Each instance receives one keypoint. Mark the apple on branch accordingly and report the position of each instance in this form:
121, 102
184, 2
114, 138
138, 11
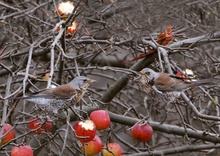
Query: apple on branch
93, 147
85, 130
9, 134
101, 119
112, 149
22, 151
40, 125
142, 132
64, 9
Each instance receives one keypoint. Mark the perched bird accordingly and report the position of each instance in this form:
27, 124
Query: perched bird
165, 87
62, 96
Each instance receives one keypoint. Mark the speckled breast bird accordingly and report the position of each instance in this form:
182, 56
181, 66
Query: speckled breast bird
165, 87
62, 96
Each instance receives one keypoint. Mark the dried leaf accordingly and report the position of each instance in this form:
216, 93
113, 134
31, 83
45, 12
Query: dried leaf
165, 37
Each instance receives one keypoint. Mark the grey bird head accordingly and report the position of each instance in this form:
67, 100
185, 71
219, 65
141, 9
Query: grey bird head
80, 82
150, 73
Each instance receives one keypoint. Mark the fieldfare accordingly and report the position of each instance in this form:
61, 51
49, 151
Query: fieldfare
62, 96
163, 87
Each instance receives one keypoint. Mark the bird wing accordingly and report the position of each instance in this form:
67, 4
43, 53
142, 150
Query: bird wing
60, 92
167, 83
63, 91
186, 85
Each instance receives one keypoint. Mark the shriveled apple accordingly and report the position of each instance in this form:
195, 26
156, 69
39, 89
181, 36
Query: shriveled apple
65, 8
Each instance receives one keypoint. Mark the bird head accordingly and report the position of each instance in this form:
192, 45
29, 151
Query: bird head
152, 75
81, 82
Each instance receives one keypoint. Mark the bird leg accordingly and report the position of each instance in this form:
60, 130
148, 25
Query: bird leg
157, 90
145, 101
61, 116
151, 82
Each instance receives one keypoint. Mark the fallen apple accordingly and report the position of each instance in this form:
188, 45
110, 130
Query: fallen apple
101, 119
85, 130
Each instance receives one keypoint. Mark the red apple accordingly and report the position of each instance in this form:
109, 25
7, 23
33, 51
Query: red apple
112, 148
22, 151
101, 119
40, 125
190, 75
85, 130
9, 134
93, 147
142, 132
179, 74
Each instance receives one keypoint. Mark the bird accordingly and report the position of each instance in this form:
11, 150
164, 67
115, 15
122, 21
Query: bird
165, 87
61, 97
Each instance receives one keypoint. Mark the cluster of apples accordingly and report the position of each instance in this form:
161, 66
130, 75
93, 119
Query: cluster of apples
64, 10
38, 126
99, 120
85, 131
8, 135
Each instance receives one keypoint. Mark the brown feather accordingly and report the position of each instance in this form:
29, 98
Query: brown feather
165, 81
64, 91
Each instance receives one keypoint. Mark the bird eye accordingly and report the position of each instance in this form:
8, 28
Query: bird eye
85, 80
148, 73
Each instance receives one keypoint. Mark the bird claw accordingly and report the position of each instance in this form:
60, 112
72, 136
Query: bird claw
60, 116
157, 90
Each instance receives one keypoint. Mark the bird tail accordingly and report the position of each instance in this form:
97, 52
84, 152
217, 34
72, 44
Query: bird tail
21, 97
40, 96
203, 82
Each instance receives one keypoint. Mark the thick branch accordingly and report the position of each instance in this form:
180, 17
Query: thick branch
187, 148
169, 129
123, 80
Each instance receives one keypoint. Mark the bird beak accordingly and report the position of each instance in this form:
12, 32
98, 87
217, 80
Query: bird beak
91, 80
142, 73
